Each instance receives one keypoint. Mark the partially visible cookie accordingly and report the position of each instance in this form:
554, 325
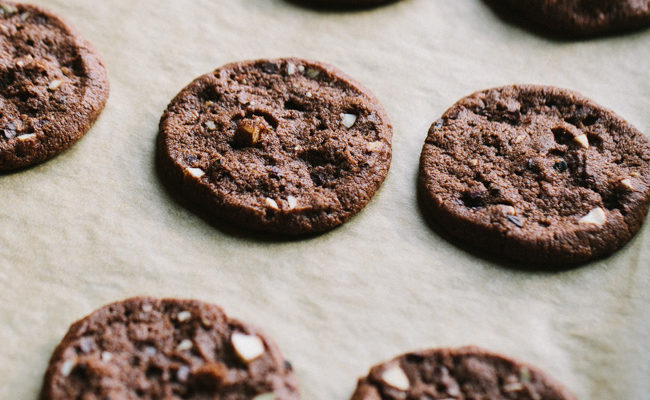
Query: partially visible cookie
53, 85
145, 348
283, 145
465, 373
537, 174
585, 17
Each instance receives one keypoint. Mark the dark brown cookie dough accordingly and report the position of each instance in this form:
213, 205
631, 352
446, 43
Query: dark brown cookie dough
538, 174
284, 145
465, 373
585, 17
52, 85
145, 348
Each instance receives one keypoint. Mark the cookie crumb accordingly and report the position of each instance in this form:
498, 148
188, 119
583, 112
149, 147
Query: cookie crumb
348, 120
396, 377
195, 172
595, 217
582, 140
247, 347
185, 344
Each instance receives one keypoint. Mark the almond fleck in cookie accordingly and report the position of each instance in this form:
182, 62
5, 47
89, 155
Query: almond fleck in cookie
465, 373
538, 174
53, 86
145, 348
585, 17
284, 145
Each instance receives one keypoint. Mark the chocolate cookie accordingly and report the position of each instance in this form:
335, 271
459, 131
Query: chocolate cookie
52, 85
144, 348
285, 145
538, 174
585, 17
465, 373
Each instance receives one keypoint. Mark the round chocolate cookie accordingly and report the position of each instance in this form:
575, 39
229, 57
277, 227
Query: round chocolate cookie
285, 145
144, 348
465, 373
585, 17
52, 85
537, 174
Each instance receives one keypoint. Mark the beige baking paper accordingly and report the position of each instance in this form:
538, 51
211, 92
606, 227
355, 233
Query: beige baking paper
94, 225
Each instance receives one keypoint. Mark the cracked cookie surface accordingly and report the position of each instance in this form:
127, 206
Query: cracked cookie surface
145, 348
585, 17
53, 85
467, 373
283, 145
538, 174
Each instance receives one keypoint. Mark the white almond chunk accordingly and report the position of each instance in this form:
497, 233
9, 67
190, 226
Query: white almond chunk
185, 344
20, 63
210, 125
627, 183
272, 203
27, 136
183, 373
395, 377
248, 347
520, 139
291, 69
183, 316
508, 210
374, 146
147, 308
293, 202
513, 387
301, 68
348, 120
473, 162
308, 95
265, 396
312, 73
68, 366
195, 172
582, 140
106, 356
55, 84
595, 217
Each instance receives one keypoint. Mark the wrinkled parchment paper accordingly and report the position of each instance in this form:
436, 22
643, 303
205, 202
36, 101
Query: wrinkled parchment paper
94, 225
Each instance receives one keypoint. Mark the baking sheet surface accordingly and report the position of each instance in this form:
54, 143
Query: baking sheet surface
95, 225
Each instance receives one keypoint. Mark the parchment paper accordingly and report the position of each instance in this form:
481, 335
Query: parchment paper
94, 225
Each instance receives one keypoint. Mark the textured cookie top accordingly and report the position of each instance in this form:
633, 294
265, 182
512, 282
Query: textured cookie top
467, 373
541, 169
280, 145
53, 85
145, 348
586, 17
